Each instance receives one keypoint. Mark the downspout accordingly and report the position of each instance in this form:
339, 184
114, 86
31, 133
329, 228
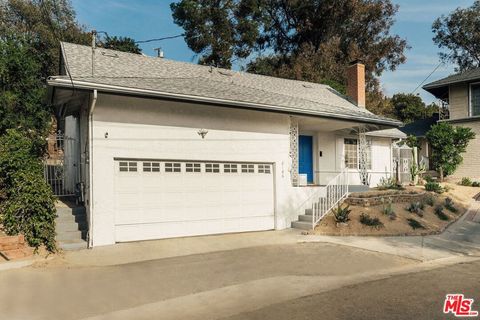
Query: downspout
90, 168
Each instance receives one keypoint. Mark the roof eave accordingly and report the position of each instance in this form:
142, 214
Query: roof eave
69, 83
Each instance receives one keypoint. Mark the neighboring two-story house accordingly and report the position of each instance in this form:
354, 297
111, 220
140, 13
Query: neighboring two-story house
460, 95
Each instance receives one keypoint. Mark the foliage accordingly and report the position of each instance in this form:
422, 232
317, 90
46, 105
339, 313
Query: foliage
124, 44
22, 89
388, 209
475, 184
341, 214
416, 207
440, 214
458, 34
389, 184
430, 200
370, 221
305, 40
409, 107
415, 224
434, 187
416, 170
466, 182
448, 143
29, 204
450, 205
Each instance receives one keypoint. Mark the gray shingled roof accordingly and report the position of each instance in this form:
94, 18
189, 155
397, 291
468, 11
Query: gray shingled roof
133, 72
466, 76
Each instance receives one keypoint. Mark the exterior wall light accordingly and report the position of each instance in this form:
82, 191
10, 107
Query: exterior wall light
202, 133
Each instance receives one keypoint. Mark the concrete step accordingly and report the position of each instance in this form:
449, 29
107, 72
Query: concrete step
302, 225
309, 212
73, 245
71, 218
74, 210
63, 226
305, 217
70, 235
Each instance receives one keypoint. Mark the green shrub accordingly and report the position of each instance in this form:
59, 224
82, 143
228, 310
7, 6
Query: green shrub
416, 207
430, 200
389, 184
428, 178
434, 187
415, 224
450, 205
476, 184
466, 182
30, 209
440, 214
388, 209
369, 221
341, 214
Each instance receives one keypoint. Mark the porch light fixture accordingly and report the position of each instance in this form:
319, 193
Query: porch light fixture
202, 132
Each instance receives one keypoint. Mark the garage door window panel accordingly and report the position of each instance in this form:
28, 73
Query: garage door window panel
173, 167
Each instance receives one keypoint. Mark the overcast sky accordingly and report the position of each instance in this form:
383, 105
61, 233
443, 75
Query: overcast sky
147, 19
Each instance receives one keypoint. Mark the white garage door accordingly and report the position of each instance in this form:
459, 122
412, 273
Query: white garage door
163, 199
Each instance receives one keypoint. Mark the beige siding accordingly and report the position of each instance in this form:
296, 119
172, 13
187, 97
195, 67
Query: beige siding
458, 101
471, 159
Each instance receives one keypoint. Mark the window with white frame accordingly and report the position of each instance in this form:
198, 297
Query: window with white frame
248, 168
151, 167
230, 168
173, 167
193, 167
212, 167
127, 166
475, 99
264, 168
352, 150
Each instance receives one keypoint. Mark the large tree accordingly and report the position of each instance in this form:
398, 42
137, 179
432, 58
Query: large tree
459, 35
124, 44
409, 107
305, 40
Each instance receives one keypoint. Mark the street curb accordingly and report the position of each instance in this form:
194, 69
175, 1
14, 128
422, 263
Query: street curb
11, 265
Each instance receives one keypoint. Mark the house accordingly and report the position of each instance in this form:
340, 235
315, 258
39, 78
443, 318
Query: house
460, 98
171, 149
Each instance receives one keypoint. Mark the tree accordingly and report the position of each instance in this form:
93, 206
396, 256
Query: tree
448, 143
409, 107
124, 44
22, 89
306, 40
46, 21
459, 34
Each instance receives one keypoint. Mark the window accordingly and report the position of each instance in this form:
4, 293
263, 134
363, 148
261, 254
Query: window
352, 160
193, 167
173, 167
248, 168
475, 99
151, 167
127, 166
230, 168
264, 168
212, 167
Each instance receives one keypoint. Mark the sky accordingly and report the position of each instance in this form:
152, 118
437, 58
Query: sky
148, 19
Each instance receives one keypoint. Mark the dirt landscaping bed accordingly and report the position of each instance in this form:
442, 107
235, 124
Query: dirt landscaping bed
430, 223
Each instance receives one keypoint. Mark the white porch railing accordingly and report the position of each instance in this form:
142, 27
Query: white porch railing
326, 198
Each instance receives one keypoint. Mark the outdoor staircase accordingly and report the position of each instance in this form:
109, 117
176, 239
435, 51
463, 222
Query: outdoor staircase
71, 227
304, 220
14, 247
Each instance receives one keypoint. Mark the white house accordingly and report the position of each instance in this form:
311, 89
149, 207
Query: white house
171, 149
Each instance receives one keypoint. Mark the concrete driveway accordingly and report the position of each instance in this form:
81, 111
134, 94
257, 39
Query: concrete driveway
199, 286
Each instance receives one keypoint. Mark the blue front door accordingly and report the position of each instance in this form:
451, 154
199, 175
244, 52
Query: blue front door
305, 155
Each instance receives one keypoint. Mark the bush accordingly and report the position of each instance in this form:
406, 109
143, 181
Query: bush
440, 214
415, 224
389, 184
416, 207
476, 184
369, 221
29, 206
450, 205
341, 214
430, 200
388, 209
434, 187
466, 182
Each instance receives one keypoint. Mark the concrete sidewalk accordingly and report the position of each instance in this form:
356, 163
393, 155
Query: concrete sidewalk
460, 239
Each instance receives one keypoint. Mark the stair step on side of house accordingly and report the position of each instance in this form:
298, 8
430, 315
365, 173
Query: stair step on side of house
305, 217
71, 227
62, 225
71, 235
309, 212
304, 225
73, 245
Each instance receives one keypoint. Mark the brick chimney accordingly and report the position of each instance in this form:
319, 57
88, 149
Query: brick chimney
356, 83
